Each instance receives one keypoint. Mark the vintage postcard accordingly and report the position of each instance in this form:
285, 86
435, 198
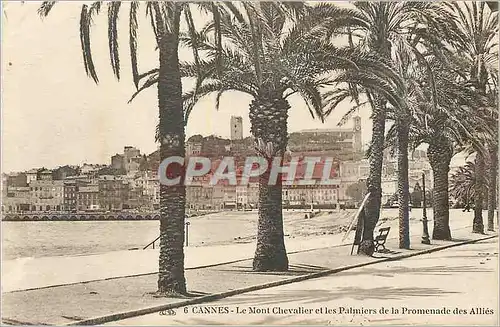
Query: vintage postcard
249, 163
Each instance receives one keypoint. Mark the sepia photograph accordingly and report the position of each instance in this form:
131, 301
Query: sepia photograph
249, 163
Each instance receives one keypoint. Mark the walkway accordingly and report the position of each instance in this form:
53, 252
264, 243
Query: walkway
29, 273
81, 301
461, 282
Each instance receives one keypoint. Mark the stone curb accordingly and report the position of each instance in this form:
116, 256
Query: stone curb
217, 296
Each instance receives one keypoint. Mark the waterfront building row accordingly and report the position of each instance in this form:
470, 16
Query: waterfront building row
115, 193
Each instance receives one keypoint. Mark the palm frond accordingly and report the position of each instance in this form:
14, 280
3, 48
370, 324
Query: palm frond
350, 113
113, 10
152, 80
462, 182
85, 24
45, 8
133, 41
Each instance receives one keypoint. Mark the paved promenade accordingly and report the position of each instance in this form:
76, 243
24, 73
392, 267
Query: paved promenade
29, 273
89, 299
462, 278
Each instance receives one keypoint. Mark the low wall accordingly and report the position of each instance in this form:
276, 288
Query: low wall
78, 216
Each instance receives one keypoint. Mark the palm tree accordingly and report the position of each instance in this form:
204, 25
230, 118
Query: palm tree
477, 46
463, 181
387, 28
271, 53
445, 117
165, 18
492, 184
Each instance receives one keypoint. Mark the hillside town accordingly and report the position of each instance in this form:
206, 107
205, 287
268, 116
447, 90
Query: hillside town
271, 163
130, 181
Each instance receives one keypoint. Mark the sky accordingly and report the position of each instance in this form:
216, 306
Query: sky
53, 114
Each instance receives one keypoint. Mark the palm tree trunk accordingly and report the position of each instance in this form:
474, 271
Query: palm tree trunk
268, 118
439, 154
381, 45
374, 181
403, 185
477, 224
171, 134
492, 187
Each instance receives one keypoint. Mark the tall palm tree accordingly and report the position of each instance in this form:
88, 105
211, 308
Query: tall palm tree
445, 116
271, 53
492, 184
462, 183
477, 46
387, 28
165, 18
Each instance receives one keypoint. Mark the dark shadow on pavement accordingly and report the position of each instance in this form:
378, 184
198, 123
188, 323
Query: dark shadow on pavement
294, 270
386, 253
458, 240
433, 270
316, 296
472, 256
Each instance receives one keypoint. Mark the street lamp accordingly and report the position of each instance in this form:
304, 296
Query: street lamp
425, 234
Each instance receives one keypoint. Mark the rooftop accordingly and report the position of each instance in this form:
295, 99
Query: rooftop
326, 130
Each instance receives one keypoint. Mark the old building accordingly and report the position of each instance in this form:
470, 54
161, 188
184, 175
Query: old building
118, 162
297, 193
340, 143
133, 165
31, 175
17, 180
4, 185
131, 159
113, 192
91, 171
130, 152
194, 145
64, 172
45, 175
16, 199
71, 187
150, 185
357, 142
46, 194
236, 128
88, 197
247, 196
70, 196
305, 195
199, 197
136, 199
215, 147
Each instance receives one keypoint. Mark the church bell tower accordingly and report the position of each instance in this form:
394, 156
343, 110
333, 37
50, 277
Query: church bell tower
357, 145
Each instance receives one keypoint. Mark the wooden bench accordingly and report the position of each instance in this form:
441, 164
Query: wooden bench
380, 239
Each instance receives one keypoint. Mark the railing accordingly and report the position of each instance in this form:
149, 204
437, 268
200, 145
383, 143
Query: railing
151, 243
186, 240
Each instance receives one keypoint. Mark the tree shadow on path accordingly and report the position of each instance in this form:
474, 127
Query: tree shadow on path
294, 270
430, 270
321, 296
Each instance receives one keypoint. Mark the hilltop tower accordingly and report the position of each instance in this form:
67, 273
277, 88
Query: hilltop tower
236, 128
357, 143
